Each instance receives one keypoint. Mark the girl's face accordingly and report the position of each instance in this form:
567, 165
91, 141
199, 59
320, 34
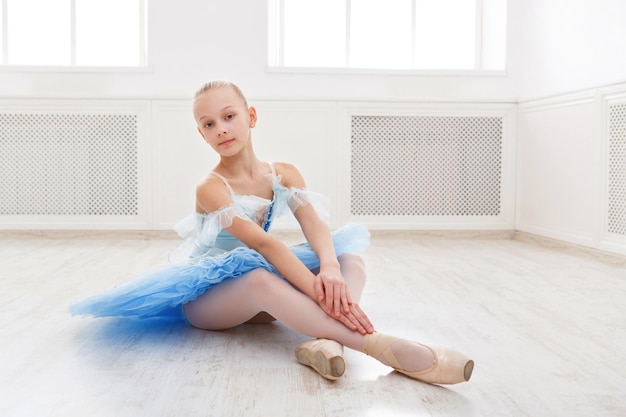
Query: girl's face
223, 120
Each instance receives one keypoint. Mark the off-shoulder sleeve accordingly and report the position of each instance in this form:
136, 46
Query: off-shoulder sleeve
289, 200
200, 231
297, 198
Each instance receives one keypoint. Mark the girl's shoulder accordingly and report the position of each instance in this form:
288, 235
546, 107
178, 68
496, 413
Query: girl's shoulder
211, 194
290, 175
212, 183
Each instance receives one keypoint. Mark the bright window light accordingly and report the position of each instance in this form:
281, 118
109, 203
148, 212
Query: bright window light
107, 33
321, 17
2, 24
445, 34
380, 34
494, 34
39, 38
73, 33
428, 35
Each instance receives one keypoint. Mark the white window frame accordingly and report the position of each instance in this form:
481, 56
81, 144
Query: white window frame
276, 42
143, 65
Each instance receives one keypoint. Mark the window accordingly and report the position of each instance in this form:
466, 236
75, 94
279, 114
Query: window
388, 34
109, 33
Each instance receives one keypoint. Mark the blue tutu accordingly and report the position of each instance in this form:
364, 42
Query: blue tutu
161, 293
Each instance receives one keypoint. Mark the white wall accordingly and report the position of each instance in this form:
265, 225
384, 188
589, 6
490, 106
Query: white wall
569, 57
555, 49
314, 135
193, 41
560, 46
558, 168
563, 172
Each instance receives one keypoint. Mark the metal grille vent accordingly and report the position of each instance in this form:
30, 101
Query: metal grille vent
617, 169
426, 165
68, 164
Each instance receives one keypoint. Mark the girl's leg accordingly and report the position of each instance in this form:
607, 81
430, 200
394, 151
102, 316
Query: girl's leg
402, 354
353, 271
325, 355
236, 301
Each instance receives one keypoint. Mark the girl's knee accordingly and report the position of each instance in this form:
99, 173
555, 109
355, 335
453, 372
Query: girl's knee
353, 268
261, 279
350, 259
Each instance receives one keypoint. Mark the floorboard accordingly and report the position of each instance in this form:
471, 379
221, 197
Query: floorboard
545, 325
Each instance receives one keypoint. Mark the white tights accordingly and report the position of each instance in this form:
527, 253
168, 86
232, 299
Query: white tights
236, 301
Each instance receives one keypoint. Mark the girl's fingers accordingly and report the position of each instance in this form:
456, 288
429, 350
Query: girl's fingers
345, 299
318, 286
329, 298
362, 319
338, 297
356, 321
349, 297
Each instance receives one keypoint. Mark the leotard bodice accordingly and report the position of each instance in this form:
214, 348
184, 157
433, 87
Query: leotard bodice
205, 234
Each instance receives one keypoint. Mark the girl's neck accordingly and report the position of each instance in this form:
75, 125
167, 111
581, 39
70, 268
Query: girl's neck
243, 165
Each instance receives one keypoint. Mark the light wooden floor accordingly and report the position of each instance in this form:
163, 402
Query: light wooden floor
546, 327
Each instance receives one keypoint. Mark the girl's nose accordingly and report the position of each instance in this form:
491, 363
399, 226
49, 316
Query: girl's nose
221, 130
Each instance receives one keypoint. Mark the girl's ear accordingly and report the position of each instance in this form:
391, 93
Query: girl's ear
252, 114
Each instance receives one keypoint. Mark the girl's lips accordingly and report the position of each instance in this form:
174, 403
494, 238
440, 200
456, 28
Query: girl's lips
226, 142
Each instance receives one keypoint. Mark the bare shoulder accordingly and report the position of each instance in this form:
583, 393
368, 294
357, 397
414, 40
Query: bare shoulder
291, 176
211, 195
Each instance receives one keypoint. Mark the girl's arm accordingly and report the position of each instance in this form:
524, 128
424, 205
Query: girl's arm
212, 195
330, 286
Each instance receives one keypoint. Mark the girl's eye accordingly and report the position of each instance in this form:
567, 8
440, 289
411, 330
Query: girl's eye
230, 116
209, 124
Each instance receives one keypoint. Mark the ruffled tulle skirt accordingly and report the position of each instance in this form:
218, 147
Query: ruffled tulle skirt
161, 293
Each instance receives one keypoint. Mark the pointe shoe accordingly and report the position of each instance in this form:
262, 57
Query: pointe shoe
450, 366
323, 355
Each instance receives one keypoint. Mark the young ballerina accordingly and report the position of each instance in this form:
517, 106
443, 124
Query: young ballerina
238, 272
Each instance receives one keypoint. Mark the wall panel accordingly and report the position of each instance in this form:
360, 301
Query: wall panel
318, 137
75, 164
571, 171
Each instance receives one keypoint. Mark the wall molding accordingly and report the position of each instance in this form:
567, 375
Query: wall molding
558, 101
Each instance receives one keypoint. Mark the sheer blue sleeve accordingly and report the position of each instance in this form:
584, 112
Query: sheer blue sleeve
201, 231
289, 200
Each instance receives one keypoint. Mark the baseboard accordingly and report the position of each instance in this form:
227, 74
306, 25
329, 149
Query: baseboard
572, 248
87, 234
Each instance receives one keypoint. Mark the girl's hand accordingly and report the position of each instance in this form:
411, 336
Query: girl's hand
355, 319
334, 298
332, 292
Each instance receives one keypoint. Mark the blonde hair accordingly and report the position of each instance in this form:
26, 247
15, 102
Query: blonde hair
212, 85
